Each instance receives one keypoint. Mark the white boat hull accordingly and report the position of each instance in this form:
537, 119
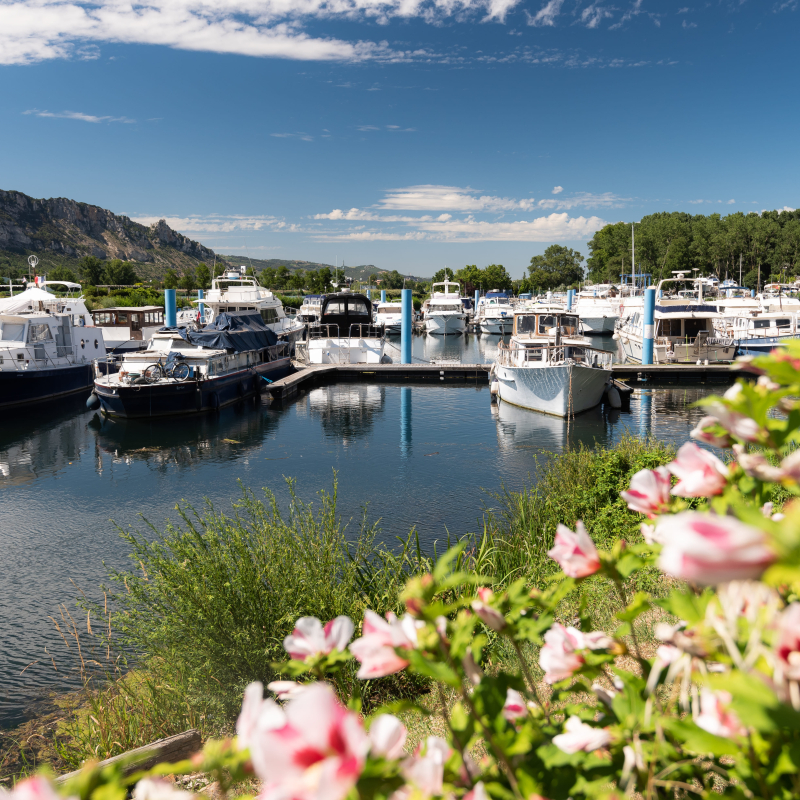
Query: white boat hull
445, 324
501, 325
560, 390
598, 324
341, 351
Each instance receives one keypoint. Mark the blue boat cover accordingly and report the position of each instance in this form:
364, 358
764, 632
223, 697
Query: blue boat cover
237, 332
503, 293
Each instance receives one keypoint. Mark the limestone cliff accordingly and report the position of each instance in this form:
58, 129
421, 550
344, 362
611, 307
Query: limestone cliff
60, 230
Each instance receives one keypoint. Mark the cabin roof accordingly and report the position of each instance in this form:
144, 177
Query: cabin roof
128, 308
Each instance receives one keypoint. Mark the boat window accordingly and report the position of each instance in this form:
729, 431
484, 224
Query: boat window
336, 307
438, 307
526, 324
546, 321
12, 332
783, 323
357, 307
570, 326
39, 332
691, 327
533, 353
575, 353
761, 323
668, 328
122, 317
269, 315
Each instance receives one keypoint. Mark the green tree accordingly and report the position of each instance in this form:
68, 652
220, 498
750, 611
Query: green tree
61, 273
268, 277
91, 269
443, 274
297, 280
470, 278
202, 276
558, 266
187, 280
119, 273
392, 280
495, 277
219, 268
170, 279
281, 276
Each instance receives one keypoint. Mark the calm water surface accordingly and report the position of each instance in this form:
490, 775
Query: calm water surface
422, 456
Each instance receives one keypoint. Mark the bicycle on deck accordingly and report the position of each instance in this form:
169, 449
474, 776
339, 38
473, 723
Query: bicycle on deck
174, 368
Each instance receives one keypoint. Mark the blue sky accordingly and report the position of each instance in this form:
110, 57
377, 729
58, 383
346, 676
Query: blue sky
408, 134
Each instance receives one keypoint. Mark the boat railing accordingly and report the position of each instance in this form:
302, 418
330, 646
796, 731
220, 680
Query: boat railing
514, 354
326, 331
37, 353
366, 330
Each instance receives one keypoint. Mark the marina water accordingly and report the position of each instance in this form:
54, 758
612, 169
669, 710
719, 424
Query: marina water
423, 456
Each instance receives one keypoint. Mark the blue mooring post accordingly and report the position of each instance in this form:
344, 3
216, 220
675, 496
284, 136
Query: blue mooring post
201, 306
752, 293
405, 421
383, 295
570, 295
405, 326
369, 294
170, 308
648, 325
477, 298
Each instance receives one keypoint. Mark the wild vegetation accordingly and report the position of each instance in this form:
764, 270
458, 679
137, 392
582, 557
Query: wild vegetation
767, 245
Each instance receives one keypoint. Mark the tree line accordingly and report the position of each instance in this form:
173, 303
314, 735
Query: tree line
767, 245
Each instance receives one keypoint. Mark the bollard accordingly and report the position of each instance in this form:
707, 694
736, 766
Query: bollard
383, 295
477, 300
369, 294
406, 314
752, 293
570, 295
201, 307
170, 308
648, 325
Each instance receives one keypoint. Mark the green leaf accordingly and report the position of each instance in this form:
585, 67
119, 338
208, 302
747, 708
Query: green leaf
696, 740
637, 607
433, 669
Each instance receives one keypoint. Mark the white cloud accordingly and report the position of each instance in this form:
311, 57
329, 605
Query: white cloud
303, 136
547, 14
594, 14
434, 197
695, 202
541, 229
683, 10
78, 116
586, 200
38, 30
216, 223
688, 25
731, 202
558, 189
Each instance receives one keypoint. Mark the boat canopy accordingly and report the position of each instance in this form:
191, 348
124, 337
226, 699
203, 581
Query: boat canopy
236, 332
498, 293
28, 301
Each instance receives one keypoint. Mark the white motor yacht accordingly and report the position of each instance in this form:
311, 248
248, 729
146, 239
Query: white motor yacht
234, 292
39, 299
310, 308
44, 355
598, 308
684, 330
389, 315
548, 366
445, 313
495, 314
759, 332
128, 328
345, 333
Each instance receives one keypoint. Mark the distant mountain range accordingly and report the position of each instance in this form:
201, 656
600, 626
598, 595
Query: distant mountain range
60, 232
359, 273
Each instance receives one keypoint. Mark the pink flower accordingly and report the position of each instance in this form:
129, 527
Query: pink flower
649, 491
575, 552
790, 468
756, 465
309, 638
559, 657
376, 649
426, 771
715, 716
741, 426
788, 646
285, 690
702, 434
317, 754
159, 789
387, 735
491, 617
478, 792
35, 788
580, 736
707, 549
258, 714
699, 472
515, 706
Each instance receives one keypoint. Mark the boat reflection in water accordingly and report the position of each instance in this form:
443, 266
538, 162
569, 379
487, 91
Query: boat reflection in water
224, 436
346, 411
405, 421
443, 348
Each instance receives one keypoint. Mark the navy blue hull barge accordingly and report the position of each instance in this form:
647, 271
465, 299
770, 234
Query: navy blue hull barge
191, 372
22, 387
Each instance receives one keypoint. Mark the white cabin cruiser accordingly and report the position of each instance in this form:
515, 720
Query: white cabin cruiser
310, 308
128, 328
759, 332
345, 333
494, 313
598, 308
445, 313
236, 293
548, 366
36, 299
44, 355
684, 331
389, 314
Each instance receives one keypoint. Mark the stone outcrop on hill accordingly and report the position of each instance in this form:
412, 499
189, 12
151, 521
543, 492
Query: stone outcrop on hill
66, 228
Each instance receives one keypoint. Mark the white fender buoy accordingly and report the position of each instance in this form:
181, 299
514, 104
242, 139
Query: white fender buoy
614, 400
615, 336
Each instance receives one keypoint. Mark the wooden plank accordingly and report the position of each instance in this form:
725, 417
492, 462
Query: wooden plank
172, 748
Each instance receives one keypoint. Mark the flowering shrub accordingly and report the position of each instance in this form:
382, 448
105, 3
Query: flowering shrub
696, 692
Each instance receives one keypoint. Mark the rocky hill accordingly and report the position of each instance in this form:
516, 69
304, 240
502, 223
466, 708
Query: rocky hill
361, 272
61, 231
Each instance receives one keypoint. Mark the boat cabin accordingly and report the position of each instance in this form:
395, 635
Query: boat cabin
546, 323
135, 323
346, 315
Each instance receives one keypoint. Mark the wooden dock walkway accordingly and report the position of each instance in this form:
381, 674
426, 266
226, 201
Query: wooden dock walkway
453, 372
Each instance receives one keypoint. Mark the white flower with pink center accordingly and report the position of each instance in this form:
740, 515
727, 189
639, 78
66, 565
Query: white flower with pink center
376, 649
580, 736
649, 492
310, 638
575, 551
699, 473
716, 716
